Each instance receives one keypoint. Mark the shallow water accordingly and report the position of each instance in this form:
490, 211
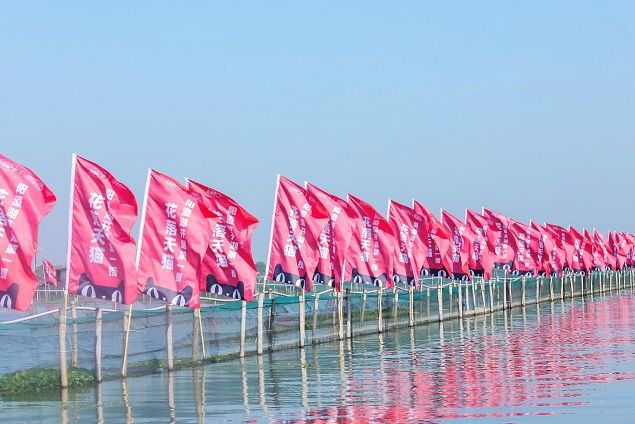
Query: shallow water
568, 361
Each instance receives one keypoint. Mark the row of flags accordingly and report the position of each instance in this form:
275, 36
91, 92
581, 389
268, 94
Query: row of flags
195, 239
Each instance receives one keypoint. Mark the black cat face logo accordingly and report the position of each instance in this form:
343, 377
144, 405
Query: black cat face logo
90, 289
325, 279
213, 286
280, 276
378, 281
404, 279
177, 298
9, 296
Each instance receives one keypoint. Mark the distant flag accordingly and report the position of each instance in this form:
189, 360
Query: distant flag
482, 257
526, 240
228, 265
334, 238
370, 256
604, 250
102, 212
411, 245
50, 273
461, 249
439, 243
563, 241
628, 241
173, 239
24, 201
617, 247
598, 262
579, 261
298, 219
499, 239
550, 257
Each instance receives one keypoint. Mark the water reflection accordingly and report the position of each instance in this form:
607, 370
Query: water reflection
534, 362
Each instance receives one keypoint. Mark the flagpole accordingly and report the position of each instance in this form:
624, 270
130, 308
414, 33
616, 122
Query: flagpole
273, 218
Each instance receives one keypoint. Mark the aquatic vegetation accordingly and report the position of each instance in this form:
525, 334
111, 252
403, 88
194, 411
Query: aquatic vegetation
37, 380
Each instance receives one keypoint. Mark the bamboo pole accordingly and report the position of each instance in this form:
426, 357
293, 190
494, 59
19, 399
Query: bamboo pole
440, 299
473, 284
361, 324
126, 336
411, 310
316, 302
349, 327
483, 293
504, 291
98, 323
168, 337
261, 300
271, 327
523, 283
62, 348
571, 279
200, 328
537, 289
491, 295
340, 316
75, 350
302, 318
395, 303
243, 325
195, 334
551, 296
459, 299
380, 324
562, 287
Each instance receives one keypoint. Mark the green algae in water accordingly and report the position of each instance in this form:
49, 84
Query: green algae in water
39, 380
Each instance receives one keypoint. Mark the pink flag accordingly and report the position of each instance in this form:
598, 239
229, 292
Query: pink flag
462, 239
564, 243
24, 201
101, 215
549, 257
334, 238
499, 239
411, 245
298, 220
173, 238
371, 253
439, 243
526, 240
228, 266
50, 273
482, 258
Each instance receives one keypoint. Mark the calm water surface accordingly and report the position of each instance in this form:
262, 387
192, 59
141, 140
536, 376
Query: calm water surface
567, 362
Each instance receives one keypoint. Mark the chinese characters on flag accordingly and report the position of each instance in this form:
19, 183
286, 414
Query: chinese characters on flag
411, 244
334, 238
439, 243
24, 201
174, 236
298, 220
462, 239
102, 213
228, 266
371, 253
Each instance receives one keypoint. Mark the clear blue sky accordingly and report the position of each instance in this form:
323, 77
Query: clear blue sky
527, 108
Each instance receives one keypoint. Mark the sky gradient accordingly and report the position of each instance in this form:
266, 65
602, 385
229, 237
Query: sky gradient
523, 108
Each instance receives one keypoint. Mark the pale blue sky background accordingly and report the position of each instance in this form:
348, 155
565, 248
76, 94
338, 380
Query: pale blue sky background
528, 108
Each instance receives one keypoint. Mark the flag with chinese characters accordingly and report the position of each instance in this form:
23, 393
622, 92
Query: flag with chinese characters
563, 241
334, 238
173, 239
549, 257
578, 259
598, 262
411, 242
482, 258
102, 213
228, 266
462, 239
499, 240
526, 240
298, 219
628, 241
617, 245
603, 249
370, 256
24, 201
438, 242
50, 274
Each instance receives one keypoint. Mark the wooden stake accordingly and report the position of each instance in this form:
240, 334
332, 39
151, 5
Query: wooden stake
411, 308
380, 324
440, 299
62, 346
537, 281
316, 302
201, 329
395, 303
460, 299
75, 350
302, 318
127, 318
551, 288
168, 337
361, 324
243, 324
349, 327
98, 322
483, 294
261, 301
196, 333
272, 318
491, 296
340, 315
523, 283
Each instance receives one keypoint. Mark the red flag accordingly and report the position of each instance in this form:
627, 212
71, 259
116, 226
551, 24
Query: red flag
335, 237
371, 253
563, 241
526, 240
298, 220
462, 239
24, 201
50, 273
439, 243
482, 258
549, 258
604, 250
597, 254
173, 238
410, 242
628, 241
228, 265
617, 247
101, 215
499, 239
